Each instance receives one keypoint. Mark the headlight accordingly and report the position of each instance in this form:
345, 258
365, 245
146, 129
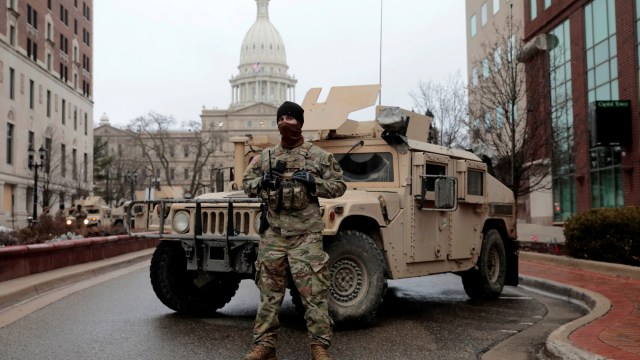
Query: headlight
180, 221
86, 221
69, 221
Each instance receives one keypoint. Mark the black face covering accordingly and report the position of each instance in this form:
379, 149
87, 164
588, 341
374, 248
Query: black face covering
291, 134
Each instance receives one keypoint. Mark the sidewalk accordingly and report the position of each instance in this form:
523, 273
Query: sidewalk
611, 292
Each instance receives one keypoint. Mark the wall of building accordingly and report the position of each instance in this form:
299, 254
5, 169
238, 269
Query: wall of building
626, 44
47, 45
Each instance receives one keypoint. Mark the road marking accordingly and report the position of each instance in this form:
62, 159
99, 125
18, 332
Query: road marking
515, 297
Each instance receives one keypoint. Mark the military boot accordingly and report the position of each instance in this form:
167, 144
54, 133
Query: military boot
319, 352
261, 352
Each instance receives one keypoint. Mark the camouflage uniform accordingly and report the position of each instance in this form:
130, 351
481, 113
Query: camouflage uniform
294, 240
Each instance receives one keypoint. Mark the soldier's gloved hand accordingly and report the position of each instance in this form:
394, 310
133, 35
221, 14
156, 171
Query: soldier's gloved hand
271, 180
306, 178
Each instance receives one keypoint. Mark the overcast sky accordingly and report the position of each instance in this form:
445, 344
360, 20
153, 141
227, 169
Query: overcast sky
174, 57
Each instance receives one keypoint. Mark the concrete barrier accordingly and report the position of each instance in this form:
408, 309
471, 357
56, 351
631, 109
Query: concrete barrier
23, 260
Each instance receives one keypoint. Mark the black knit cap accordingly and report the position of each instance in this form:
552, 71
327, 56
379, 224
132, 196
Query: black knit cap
292, 109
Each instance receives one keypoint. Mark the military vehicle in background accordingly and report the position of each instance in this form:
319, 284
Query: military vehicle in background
146, 215
411, 209
98, 213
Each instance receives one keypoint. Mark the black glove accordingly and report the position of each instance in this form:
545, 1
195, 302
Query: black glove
271, 180
306, 178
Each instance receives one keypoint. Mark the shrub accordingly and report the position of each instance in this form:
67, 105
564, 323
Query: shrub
610, 235
49, 229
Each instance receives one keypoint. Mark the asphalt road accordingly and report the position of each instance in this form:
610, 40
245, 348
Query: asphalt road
423, 318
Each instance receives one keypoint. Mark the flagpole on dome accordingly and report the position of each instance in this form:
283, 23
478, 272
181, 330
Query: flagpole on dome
380, 61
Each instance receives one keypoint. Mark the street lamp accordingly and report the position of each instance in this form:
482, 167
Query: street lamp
33, 165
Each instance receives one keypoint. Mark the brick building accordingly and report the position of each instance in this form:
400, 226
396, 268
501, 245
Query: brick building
592, 64
46, 77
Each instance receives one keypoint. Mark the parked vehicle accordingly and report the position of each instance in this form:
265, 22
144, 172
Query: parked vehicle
412, 209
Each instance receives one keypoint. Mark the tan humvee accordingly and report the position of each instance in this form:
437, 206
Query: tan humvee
411, 209
98, 213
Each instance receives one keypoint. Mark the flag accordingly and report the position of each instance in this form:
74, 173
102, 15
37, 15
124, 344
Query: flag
256, 67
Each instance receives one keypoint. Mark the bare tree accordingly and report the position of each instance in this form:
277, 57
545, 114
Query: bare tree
204, 143
511, 113
448, 103
152, 135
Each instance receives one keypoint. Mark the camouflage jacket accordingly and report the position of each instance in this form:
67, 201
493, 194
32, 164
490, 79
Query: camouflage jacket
319, 163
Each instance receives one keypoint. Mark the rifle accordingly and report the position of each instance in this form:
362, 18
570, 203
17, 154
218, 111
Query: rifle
280, 168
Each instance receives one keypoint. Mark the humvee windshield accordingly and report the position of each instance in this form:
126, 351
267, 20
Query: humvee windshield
366, 167
93, 211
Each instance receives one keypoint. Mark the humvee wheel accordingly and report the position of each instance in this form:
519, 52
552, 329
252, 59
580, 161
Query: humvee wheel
174, 284
357, 277
487, 280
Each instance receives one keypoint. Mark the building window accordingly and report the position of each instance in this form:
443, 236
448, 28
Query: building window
499, 118
602, 84
534, 9
74, 164
86, 124
172, 173
32, 94
485, 68
562, 152
185, 148
186, 173
473, 25
547, 3
64, 111
12, 83
9, 149
12, 35
496, 6
64, 15
483, 14
63, 160
85, 167
48, 103
75, 118
32, 16
474, 77
638, 30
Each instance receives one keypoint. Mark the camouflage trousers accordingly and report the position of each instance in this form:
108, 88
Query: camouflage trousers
305, 257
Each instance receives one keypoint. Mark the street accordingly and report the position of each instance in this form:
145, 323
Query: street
428, 317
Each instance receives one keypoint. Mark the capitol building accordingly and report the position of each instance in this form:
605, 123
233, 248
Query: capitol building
261, 84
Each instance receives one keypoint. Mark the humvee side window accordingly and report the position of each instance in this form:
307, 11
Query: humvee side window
475, 182
366, 167
433, 170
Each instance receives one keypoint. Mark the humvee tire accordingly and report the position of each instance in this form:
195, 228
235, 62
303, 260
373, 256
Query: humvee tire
174, 284
487, 279
357, 276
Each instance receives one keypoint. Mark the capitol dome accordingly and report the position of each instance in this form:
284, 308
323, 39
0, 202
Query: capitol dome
262, 43
263, 71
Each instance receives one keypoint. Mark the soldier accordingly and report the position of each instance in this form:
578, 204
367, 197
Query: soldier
80, 214
290, 177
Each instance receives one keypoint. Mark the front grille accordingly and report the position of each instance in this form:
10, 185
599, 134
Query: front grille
214, 221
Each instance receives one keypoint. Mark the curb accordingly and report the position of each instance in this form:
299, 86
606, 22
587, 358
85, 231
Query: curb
19, 290
558, 343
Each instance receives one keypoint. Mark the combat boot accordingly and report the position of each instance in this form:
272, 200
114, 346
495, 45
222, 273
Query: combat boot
261, 352
319, 352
